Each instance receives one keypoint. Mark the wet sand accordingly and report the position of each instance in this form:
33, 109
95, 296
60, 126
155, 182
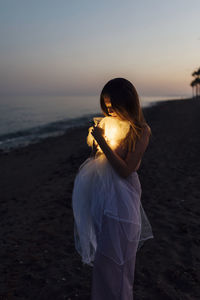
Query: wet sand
38, 257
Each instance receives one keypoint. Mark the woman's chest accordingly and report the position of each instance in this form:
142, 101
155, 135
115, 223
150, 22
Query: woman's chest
122, 152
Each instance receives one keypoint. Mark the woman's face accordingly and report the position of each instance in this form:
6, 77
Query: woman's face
108, 104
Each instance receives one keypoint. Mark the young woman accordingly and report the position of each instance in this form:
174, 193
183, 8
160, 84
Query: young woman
110, 223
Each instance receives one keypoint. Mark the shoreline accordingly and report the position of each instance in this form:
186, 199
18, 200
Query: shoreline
30, 140
38, 257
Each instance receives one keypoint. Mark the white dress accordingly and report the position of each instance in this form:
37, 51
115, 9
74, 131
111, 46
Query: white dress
110, 224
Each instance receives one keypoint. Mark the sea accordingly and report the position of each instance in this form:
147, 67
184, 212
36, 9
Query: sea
29, 119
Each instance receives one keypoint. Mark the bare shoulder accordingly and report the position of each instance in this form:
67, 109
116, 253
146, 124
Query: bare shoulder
146, 132
143, 141
134, 157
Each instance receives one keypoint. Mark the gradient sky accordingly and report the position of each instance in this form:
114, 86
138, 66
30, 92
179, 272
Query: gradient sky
69, 47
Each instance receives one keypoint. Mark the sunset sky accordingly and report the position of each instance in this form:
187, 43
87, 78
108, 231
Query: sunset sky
69, 47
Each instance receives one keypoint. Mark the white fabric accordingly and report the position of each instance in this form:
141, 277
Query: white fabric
106, 207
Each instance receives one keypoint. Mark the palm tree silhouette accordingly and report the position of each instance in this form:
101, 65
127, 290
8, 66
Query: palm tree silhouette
196, 83
193, 84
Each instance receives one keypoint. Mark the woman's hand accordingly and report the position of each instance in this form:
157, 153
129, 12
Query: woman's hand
98, 133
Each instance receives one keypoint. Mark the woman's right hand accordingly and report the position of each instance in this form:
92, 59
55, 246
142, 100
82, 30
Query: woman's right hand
98, 133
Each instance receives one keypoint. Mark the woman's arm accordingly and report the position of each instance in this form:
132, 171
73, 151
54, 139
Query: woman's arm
123, 167
94, 150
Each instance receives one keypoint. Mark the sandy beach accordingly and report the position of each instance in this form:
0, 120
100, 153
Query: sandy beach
38, 257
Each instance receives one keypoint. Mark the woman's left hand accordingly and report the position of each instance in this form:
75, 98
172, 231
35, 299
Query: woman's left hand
97, 133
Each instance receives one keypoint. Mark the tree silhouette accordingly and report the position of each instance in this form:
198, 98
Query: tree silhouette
195, 84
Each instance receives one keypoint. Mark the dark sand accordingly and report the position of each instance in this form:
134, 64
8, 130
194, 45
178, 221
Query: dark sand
38, 257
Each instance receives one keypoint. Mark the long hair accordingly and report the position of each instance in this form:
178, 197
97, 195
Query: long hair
125, 102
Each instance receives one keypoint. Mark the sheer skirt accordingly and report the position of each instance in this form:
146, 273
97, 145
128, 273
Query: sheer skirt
108, 213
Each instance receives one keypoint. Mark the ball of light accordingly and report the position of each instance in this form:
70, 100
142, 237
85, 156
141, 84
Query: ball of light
115, 131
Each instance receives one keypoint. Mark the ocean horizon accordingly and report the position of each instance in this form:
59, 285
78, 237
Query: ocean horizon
28, 119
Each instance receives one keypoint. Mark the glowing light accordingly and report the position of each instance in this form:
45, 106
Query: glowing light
115, 131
